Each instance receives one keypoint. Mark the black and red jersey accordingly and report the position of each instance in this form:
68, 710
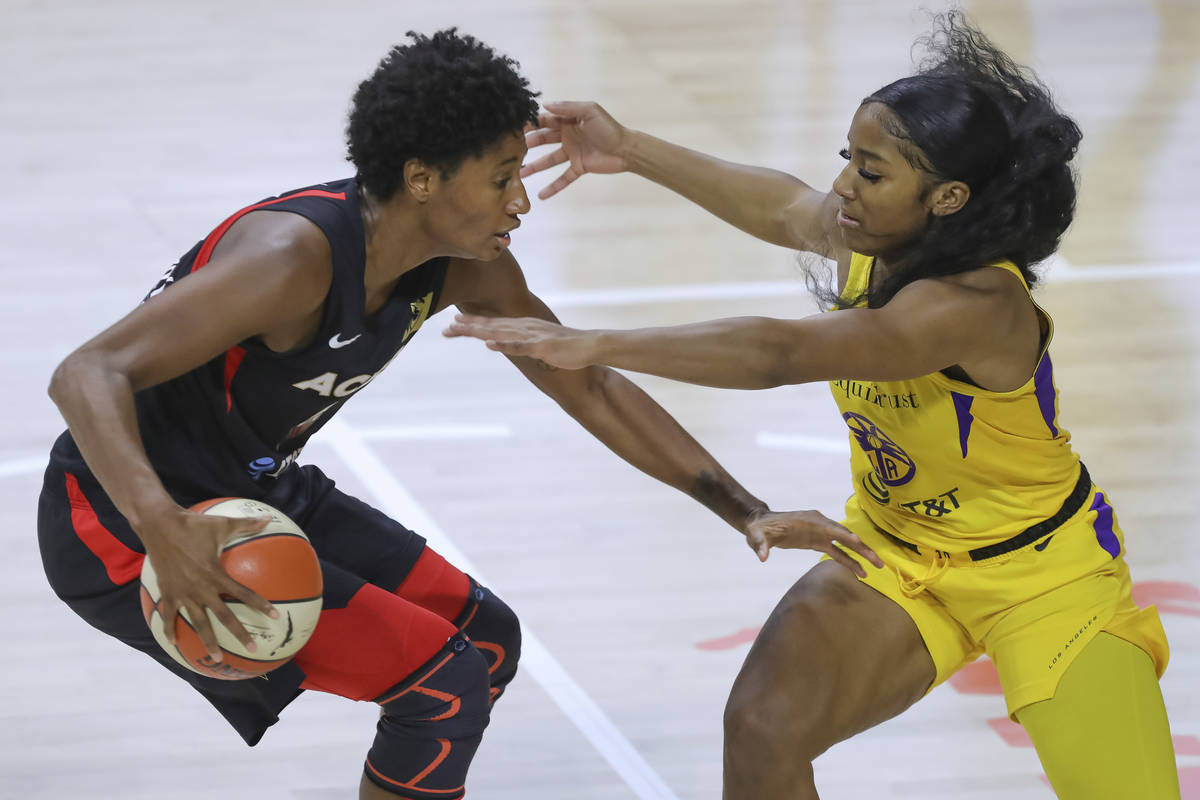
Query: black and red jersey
236, 423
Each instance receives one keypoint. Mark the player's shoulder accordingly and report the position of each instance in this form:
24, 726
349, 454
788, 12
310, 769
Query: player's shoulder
992, 284
310, 221
286, 252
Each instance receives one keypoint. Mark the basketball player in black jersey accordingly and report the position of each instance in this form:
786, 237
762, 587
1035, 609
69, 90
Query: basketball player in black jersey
248, 345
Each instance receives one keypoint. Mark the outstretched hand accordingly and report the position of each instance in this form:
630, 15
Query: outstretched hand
548, 342
808, 530
592, 141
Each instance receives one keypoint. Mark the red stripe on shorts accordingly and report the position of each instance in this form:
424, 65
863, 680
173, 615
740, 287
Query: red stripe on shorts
121, 563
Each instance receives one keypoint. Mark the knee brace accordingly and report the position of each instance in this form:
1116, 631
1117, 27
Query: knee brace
431, 725
494, 629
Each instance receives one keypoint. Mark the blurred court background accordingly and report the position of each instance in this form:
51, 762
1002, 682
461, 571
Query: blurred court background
129, 129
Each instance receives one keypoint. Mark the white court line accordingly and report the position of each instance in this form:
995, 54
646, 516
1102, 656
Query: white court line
23, 466
485, 430
1059, 271
595, 725
672, 293
794, 441
443, 431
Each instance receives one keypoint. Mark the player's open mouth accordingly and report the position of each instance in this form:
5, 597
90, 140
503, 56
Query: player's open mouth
504, 236
846, 221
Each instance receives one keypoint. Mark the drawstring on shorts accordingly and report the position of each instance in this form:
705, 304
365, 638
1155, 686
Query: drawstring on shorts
911, 587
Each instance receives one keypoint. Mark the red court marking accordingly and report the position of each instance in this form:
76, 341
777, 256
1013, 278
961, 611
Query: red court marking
1189, 777
1015, 736
1012, 733
729, 642
1186, 745
1189, 783
1162, 593
977, 678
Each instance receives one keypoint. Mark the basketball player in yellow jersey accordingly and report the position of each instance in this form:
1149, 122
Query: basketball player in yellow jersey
993, 537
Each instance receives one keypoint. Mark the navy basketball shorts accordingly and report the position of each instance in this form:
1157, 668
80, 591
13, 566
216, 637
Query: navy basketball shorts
399, 625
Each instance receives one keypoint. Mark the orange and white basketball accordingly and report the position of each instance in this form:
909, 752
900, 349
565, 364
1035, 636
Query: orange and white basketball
280, 565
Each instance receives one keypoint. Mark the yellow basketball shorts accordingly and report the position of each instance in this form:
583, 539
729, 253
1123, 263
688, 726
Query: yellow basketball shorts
1031, 610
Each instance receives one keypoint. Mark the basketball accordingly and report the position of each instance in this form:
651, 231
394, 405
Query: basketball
280, 565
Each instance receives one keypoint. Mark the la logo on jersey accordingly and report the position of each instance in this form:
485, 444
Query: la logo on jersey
892, 465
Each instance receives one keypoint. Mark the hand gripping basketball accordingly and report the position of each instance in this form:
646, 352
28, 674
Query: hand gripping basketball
228, 636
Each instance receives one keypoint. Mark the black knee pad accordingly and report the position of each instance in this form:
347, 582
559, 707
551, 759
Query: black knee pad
494, 629
431, 725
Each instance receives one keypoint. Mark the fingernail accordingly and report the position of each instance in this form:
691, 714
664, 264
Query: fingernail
251, 646
215, 656
273, 613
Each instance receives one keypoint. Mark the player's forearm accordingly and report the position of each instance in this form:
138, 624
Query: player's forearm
631, 424
734, 353
98, 405
754, 199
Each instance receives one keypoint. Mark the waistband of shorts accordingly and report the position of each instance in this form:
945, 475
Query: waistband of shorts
1069, 508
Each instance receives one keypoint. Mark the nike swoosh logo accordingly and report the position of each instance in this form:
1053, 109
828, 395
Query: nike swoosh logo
335, 342
1040, 546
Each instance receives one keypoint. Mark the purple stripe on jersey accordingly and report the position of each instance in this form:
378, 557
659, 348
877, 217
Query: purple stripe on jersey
1043, 387
1104, 525
962, 409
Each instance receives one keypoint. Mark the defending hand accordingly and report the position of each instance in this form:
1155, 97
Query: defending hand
808, 530
548, 342
591, 140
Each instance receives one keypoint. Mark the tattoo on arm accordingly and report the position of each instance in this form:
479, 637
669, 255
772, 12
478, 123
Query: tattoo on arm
721, 495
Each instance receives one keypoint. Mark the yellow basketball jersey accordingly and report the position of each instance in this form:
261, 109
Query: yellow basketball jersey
944, 464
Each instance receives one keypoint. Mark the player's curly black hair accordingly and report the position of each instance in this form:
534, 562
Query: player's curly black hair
970, 114
439, 99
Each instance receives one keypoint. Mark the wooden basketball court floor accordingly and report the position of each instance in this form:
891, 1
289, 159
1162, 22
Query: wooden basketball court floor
128, 129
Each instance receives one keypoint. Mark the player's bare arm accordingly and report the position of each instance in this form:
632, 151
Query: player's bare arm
267, 278
977, 321
633, 425
766, 203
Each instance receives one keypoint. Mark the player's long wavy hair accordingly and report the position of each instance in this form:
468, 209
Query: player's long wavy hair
970, 114
438, 99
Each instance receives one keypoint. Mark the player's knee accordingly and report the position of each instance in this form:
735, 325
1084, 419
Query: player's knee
432, 724
760, 730
447, 695
761, 722
493, 621
495, 630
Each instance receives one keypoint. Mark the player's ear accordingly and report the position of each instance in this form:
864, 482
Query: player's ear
420, 179
948, 198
